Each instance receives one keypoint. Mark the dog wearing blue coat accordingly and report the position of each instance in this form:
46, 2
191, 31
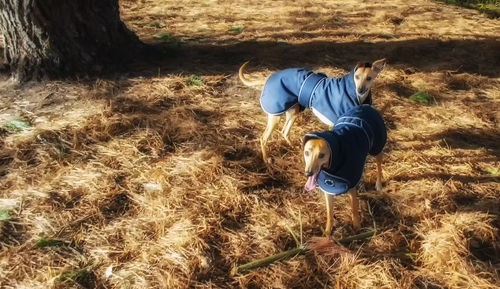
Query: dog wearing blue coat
292, 90
335, 160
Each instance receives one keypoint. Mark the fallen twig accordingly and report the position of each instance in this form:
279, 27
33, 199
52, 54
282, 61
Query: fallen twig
361, 236
269, 260
321, 245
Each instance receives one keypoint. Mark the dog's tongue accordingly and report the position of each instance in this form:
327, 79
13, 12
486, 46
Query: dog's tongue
311, 183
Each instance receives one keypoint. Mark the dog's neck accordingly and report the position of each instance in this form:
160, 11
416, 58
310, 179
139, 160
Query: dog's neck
362, 97
352, 89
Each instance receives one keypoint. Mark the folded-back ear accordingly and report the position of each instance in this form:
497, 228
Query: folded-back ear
359, 64
305, 139
308, 137
378, 65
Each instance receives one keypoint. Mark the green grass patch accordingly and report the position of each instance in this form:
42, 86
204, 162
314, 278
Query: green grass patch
4, 215
237, 28
9, 208
488, 7
84, 277
386, 36
168, 39
493, 171
17, 125
195, 80
421, 97
154, 24
46, 242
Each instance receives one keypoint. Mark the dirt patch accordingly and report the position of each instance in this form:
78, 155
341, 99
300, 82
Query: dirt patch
485, 251
240, 154
115, 206
12, 233
65, 201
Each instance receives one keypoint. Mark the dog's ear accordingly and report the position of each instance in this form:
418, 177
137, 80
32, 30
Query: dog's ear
308, 137
305, 139
378, 65
359, 64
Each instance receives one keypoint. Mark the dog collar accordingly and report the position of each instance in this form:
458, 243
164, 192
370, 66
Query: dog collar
331, 184
368, 99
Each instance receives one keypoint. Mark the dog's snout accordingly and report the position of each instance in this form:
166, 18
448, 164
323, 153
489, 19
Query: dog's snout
361, 89
309, 174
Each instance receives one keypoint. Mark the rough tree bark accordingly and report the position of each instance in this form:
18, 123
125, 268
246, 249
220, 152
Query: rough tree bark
57, 38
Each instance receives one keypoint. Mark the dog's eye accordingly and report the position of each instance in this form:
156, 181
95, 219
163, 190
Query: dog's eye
306, 153
368, 78
357, 77
321, 156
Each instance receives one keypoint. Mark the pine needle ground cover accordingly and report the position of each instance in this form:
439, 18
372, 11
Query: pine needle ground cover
153, 178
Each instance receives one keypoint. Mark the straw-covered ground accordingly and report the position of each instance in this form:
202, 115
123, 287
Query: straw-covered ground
153, 178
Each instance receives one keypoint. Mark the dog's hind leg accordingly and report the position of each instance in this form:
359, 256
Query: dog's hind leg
378, 184
272, 121
291, 116
355, 208
329, 213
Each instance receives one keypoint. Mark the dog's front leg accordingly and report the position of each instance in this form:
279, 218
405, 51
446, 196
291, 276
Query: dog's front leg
329, 213
378, 184
355, 208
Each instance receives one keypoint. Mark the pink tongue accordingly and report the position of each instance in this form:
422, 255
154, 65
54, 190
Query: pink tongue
311, 182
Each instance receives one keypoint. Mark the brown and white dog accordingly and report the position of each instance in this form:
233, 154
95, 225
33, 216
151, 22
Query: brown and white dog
335, 160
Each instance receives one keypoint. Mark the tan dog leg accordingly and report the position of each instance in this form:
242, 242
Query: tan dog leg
291, 115
272, 121
378, 184
329, 213
355, 208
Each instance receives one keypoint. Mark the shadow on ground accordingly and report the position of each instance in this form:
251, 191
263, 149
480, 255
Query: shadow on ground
427, 55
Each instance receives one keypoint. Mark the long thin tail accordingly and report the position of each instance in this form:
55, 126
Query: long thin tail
247, 81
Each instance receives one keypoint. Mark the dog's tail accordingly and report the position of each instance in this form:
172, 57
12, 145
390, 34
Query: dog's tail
246, 81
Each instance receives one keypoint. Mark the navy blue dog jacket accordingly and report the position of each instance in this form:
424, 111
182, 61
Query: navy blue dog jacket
357, 133
329, 98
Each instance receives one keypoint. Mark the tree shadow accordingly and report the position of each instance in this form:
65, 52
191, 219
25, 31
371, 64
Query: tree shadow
460, 138
446, 177
471, 138
428, 55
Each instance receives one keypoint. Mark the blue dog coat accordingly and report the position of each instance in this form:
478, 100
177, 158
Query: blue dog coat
329, 98
357, 133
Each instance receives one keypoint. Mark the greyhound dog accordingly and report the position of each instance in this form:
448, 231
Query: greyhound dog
335, 159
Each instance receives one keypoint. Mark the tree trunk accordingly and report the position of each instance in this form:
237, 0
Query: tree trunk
58, 38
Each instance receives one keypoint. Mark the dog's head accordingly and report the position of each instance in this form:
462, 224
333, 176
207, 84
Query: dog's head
365, 75
317, 155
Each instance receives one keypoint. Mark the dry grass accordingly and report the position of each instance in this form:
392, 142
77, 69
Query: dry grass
151, 181
449, 249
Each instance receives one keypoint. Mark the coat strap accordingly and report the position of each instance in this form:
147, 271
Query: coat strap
308, 87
